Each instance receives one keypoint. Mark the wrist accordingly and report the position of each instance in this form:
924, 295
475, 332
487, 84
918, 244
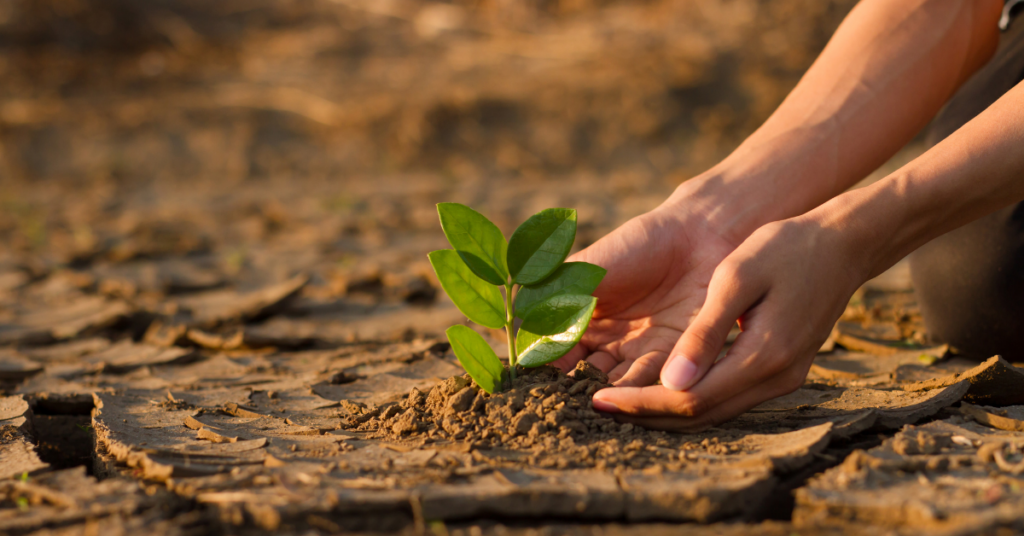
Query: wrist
731, 199
871, 226
774, 175
708, 201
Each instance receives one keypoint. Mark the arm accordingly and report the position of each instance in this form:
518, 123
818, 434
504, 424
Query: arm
791, 279
885, 73
975, 171
887, 70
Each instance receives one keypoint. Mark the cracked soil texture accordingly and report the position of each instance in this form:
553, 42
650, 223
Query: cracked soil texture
217, 316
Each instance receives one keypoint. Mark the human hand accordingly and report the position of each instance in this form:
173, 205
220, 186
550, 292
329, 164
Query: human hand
786, 284
659, 265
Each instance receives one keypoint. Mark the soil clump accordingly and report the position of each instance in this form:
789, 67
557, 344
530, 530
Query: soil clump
546, 419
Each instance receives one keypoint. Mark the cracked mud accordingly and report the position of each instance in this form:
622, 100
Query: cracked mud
217, 317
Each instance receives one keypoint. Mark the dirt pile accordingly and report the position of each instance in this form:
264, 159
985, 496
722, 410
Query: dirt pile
546, 414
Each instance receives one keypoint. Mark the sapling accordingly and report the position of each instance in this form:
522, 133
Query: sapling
551, 297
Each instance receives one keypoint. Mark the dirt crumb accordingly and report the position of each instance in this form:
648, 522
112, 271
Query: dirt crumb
912, 441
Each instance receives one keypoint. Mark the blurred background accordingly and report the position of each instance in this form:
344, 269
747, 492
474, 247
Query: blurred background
164, 147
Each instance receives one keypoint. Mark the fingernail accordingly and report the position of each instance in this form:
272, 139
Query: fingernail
605, 406
678, 373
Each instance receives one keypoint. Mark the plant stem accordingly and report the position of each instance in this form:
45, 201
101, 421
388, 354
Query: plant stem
509, 320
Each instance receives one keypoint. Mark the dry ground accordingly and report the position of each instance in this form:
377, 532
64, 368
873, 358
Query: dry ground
216, 314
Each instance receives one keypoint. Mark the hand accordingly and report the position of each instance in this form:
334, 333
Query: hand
659, 265
789, 281
786, 284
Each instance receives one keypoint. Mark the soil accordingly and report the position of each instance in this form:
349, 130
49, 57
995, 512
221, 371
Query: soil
64, 441
546, 419
217, 317
385, 435
952, 474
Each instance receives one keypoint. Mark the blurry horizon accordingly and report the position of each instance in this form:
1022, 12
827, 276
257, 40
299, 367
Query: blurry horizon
273, 137
131, 92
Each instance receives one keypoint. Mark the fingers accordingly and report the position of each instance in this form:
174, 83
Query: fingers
649, 401
639, 372
730, 294
787, 309
759, 366
659, 408
778, 347
664, 398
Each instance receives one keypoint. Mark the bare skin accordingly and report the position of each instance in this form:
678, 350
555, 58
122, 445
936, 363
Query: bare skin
769, 239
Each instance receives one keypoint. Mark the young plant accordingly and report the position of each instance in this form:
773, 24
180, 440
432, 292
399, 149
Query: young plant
551, 297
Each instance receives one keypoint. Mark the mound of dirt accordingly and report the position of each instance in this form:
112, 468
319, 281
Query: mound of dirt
546, 415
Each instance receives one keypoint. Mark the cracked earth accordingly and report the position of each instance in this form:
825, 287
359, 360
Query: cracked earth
217, 316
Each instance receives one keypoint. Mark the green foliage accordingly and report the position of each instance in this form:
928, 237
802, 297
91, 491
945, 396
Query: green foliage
478, 241
551, 296
569, 278
477, 357
479, 300
553, 327
540, 245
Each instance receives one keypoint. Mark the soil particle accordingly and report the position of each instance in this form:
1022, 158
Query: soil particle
460, 401
987, 452
913, 441
416, 398
524, 423
406, 423
586, 371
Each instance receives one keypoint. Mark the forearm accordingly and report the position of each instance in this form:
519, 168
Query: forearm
885, 73
975, 171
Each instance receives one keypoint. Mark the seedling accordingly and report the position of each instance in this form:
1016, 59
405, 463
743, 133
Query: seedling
551, 297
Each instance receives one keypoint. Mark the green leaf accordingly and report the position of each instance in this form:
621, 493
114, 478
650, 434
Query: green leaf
569, 278
478, 241
479, 300
477, 357
553, 327
540, 244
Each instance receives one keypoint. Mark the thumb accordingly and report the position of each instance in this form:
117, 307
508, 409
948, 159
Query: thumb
699, 346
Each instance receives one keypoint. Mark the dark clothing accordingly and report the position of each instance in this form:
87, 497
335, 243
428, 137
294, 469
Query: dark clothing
970, 282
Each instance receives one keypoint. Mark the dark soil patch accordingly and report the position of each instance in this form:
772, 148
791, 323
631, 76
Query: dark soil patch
64, 441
